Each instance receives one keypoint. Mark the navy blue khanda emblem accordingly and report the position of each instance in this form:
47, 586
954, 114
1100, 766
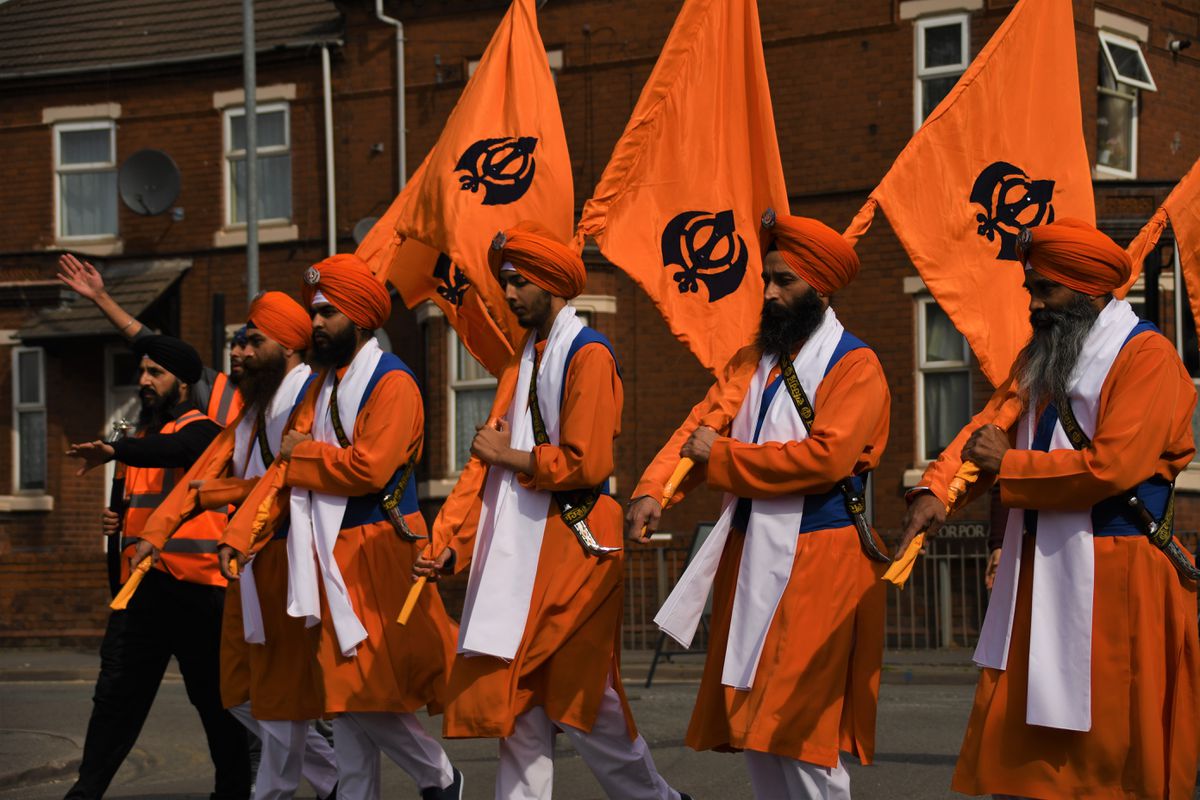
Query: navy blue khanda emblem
708, 248
453, 284
1011, 200
504, 167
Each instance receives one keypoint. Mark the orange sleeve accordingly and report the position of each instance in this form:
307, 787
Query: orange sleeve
1143, 429
717, 410
212, 463
938, 475
589, 423
849, 433
221, 492
387, 433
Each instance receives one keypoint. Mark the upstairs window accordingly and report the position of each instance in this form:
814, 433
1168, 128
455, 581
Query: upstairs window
942, 57
274, 164
85, 165
1123, 72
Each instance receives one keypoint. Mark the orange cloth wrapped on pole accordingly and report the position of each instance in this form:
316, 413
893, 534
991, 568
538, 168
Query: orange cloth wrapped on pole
501, 158
901, 569
983, 165
678, 205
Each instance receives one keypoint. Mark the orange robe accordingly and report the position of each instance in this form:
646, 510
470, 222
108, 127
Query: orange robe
1145, 736
396, 668
571, 644
817, 683
278, 678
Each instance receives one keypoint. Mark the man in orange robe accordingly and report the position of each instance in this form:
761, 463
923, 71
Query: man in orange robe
345, 460
268, 680
796, 637
539, 645
1111, 709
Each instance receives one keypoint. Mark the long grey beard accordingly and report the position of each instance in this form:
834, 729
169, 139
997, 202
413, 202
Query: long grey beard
1045, 365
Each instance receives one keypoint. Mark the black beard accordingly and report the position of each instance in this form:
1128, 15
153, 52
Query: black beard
259, 383
782, 327
154, 411
1044, 366
334, 351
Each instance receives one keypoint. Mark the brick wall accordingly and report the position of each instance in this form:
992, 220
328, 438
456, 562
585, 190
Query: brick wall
842, 88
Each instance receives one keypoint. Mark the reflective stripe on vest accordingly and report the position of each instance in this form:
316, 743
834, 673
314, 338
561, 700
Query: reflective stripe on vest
191, 553
224, 403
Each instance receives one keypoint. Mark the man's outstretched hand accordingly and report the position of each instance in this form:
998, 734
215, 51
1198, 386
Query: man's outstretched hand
80, 277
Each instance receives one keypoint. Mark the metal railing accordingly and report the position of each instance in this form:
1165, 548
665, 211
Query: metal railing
942, 605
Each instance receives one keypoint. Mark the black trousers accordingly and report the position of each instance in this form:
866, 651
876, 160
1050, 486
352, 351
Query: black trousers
167, 617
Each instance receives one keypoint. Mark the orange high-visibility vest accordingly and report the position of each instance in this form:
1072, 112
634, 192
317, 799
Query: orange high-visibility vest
224, 402
191, 553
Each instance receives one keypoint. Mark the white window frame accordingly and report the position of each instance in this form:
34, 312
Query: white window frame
921, 73
1107, 38
453, 386
100, 166
924, 368
228, 156
18, 408
1130, 90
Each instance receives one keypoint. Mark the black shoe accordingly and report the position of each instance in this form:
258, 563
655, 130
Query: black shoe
452, 792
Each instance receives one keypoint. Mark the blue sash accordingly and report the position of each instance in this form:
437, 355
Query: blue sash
1110, 517
821, 511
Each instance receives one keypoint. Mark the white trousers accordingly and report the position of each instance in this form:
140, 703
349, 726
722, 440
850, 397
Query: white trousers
359, 738
624, 768
290, 750
773, 777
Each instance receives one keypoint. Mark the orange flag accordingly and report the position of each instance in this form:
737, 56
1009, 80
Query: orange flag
1004, 149
679, 204
501, 158
1182, 209
421, 273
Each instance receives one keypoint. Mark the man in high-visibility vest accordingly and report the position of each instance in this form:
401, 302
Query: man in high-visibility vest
177, 611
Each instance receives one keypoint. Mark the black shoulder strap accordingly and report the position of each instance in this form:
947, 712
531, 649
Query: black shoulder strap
577, 502
1160, 533
856, 503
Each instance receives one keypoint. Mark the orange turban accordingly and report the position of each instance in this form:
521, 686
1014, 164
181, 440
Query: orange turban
814, 251
348, 284
1075, 254
282, 319
539, 258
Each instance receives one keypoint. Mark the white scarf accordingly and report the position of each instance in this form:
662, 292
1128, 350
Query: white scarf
512, 520
1064, 572
248, 463
316, 517
770, 545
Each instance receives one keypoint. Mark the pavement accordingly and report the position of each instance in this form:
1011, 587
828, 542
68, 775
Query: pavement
45, 699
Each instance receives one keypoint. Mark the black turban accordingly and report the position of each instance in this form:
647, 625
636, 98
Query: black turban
174, 355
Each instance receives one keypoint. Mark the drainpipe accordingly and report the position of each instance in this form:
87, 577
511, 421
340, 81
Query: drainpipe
330, 174
401, 117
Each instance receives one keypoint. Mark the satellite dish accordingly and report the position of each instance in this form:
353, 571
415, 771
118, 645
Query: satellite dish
148, 182
363, 227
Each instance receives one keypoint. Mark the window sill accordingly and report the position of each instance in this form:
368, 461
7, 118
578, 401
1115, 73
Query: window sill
107, 246
267, 234
1100, 172
1189, 480
15, 503
912, 477
437, 489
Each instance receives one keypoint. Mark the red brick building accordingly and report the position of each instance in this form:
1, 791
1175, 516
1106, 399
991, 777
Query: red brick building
850, 82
